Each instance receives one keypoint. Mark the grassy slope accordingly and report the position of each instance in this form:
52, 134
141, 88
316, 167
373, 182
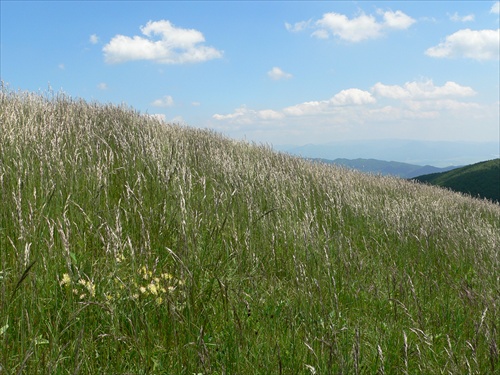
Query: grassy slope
129, 246
478, 180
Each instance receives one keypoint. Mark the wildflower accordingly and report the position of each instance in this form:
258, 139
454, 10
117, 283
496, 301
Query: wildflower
145, 273
89, 285
142, 289
159, 300
166, 276
152, 288
66, 280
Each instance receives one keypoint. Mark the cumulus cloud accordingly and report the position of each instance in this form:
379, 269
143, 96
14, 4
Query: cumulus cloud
346, 98
396, 20
269, 114
166, 101
298, 26
94, 39
161, 42
456, 18
416, 107
158, 116
277, 74
424, 98
467, 43
495, 9
362, 27
241, 112
102, 86
349, 97
353, 97
244, 115
422, 90
411, 101
306, 108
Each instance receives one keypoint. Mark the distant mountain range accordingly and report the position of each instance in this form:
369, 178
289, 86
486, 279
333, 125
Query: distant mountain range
478, 180
438, 153
393, 168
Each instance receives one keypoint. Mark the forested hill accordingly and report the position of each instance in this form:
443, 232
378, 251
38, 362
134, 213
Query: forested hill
478, 180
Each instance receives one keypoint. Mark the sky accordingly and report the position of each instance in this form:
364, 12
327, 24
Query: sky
283, 72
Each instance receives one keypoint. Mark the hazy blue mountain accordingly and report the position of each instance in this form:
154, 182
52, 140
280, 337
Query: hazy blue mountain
393, 168
437, 153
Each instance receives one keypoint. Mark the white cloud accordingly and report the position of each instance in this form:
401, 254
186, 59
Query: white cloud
345, 98
413, 108
397, 20
495, 9
178, 120
352, 109
61, 66
467, 43
298, 26
166, 101
422, 90
425, 100
362, 27
306, 108
241, 112
195, 104
94, 39
353, 97
456, 18
321, 34
158, 116
349, 97
174, 46
269, 114
353, 30
243, 115
102, 86
277, 74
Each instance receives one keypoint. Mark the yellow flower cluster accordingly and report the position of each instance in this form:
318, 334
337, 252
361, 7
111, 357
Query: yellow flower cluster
152, 285
156, 285
81, 288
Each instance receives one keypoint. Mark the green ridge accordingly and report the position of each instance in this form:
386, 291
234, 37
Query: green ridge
480, 180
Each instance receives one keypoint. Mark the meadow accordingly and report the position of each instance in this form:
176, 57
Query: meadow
131, 246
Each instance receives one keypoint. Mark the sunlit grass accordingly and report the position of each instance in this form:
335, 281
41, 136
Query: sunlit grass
133, 246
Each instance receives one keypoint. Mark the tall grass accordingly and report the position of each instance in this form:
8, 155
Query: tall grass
129, 246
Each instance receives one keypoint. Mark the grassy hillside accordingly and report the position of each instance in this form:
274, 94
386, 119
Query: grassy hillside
479, 180
133, 247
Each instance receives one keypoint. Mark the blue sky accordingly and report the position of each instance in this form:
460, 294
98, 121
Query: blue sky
271, 72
